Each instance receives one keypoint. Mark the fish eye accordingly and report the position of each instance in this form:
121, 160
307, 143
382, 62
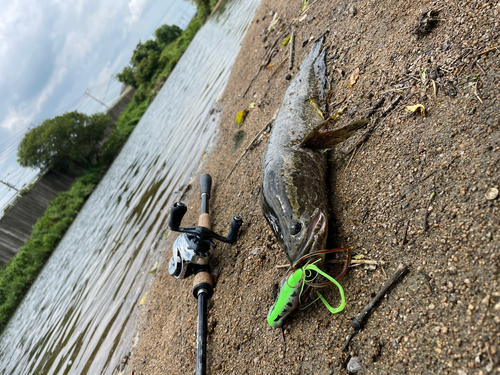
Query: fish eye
295, 228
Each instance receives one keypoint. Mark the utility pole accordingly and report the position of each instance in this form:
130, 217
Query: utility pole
9, 185
87, 92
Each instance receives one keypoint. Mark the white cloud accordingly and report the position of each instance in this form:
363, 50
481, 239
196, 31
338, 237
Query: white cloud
14, 121
77, 45
17, 23
136, 7
56, 79
110, 69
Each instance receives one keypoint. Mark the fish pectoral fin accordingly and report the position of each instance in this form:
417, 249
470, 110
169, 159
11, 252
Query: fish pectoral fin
322, 139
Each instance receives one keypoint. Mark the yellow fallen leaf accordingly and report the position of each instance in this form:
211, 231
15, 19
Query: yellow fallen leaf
338, 113
317, 109
240, 117
143, 299
358, 256
155, 266
275, 20
304, 4
252, 105
286, 41
354, 77
416, 107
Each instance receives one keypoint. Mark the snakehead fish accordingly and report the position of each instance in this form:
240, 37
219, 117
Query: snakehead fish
294, 194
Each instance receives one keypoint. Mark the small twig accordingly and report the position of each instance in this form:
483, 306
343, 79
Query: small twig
246, 150
473, 63
362, 139
282, 266
484, 52
435, 89
338, 103
341, 60
376, 106
365, 214
429, 175
348, 340
383, 271
405, 234
408, 78
292, 40
475, 92
265, 61
356, 261
461, 56
480, 68
400, 89
426, 217
392, 105
264, 96
276, 69
215, 7
253, 79
487, 346
352, 156
451, 161
284, 342
308, 6
358, 322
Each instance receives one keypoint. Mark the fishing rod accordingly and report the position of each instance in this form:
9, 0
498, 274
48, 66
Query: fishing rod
190, 256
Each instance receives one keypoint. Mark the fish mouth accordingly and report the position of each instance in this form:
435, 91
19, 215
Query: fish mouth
315, 236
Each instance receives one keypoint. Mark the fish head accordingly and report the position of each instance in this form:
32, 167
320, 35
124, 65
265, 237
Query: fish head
295, 206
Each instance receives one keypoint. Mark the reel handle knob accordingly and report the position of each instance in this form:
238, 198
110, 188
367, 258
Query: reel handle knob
205, 184
176, 214
235, 227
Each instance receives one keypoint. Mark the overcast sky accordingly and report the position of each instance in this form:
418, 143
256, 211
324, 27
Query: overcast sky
52, 51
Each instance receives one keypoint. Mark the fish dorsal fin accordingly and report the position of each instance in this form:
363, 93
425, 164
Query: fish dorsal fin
322, 139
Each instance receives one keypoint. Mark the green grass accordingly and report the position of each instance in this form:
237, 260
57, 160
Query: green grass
146, 92
21, 271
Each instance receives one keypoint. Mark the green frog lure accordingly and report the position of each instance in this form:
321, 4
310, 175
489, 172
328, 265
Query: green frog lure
297, 284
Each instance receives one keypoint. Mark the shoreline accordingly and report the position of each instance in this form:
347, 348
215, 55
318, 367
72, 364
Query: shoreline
22, 268
380, 183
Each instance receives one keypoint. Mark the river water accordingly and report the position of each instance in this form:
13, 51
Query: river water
80, 314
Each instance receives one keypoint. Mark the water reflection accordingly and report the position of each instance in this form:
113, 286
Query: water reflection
80, 314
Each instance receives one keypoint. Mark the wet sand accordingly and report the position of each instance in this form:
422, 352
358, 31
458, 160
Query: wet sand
410, 190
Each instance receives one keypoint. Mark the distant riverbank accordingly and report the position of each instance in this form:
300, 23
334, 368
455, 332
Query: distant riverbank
20, 272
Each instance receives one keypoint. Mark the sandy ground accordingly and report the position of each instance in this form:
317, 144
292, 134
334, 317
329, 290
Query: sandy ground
410, 190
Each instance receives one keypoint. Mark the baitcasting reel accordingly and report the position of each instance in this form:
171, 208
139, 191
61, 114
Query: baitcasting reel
195, 242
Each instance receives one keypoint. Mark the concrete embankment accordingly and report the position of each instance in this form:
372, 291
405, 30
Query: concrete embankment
116, 110
17, 223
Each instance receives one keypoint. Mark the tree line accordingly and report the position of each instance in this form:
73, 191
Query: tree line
73, 141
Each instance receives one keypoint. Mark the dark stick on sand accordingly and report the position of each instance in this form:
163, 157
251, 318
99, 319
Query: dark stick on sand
358, 322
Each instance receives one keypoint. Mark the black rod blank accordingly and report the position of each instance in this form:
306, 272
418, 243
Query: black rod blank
201, 352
